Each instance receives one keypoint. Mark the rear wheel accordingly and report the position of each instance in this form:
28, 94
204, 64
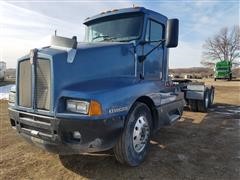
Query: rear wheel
193, 105
133, 145
203, 104
211, 97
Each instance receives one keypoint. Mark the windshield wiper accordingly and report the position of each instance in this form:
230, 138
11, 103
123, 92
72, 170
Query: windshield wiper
105, 37
127, 40
100, 36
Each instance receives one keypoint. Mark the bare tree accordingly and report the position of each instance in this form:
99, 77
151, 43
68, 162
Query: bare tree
223, 46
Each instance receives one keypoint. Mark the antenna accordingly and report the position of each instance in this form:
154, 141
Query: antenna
55, 32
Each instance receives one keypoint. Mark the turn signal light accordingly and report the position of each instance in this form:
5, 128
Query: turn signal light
95, 109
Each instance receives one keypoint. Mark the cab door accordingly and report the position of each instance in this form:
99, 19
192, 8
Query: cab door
152, 67
171, 102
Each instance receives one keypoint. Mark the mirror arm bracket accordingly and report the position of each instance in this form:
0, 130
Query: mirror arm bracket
143, 57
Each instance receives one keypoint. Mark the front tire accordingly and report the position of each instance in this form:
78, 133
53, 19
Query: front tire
133, 144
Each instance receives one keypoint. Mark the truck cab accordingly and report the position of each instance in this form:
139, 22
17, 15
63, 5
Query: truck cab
110, 91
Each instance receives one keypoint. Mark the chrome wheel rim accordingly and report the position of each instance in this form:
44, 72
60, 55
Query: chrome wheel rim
140, 134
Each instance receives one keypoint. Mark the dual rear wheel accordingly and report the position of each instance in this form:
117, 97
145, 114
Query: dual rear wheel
205, 103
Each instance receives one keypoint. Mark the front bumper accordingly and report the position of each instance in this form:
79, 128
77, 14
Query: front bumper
55, 135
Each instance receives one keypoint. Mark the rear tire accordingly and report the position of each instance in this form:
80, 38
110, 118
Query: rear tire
211, 96
133, 144
203, 104
193, 105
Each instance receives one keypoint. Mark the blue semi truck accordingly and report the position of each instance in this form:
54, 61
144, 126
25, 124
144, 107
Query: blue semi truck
111, 91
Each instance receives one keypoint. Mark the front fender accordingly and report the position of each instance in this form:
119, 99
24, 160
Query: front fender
115, 100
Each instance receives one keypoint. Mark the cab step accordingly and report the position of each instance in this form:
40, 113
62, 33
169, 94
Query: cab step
173, 118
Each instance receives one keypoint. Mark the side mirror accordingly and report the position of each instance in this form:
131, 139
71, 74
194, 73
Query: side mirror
172, 33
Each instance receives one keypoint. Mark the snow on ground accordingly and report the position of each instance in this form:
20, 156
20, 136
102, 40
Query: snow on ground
4, 91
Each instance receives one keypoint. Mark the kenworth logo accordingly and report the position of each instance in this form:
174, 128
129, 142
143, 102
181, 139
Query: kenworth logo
119, 109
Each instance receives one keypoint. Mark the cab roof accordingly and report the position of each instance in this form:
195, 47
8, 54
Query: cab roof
116, 12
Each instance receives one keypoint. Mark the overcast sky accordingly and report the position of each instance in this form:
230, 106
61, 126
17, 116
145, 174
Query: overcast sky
28, 24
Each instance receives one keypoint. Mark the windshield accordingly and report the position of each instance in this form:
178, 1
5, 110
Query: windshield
123, 29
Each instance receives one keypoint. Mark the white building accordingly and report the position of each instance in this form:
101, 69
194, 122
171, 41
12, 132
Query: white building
2, 70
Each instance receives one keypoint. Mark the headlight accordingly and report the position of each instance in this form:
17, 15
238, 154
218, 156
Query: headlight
12, 94
12, 97
92, 108
78, 106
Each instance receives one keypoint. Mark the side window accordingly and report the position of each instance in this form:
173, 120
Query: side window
154, 31
153, 65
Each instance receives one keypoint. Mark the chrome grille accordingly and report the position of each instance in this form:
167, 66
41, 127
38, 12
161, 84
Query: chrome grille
43, 84
25, 84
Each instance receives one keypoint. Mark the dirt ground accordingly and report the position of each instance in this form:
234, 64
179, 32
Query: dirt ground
199, 146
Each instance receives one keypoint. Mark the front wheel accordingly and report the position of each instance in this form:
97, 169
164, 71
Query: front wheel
133, 145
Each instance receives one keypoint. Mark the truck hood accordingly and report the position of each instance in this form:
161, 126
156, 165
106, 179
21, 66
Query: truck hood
84, 46
92, 62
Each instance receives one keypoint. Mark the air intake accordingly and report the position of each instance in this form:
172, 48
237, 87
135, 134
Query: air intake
43, 84
25, 84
